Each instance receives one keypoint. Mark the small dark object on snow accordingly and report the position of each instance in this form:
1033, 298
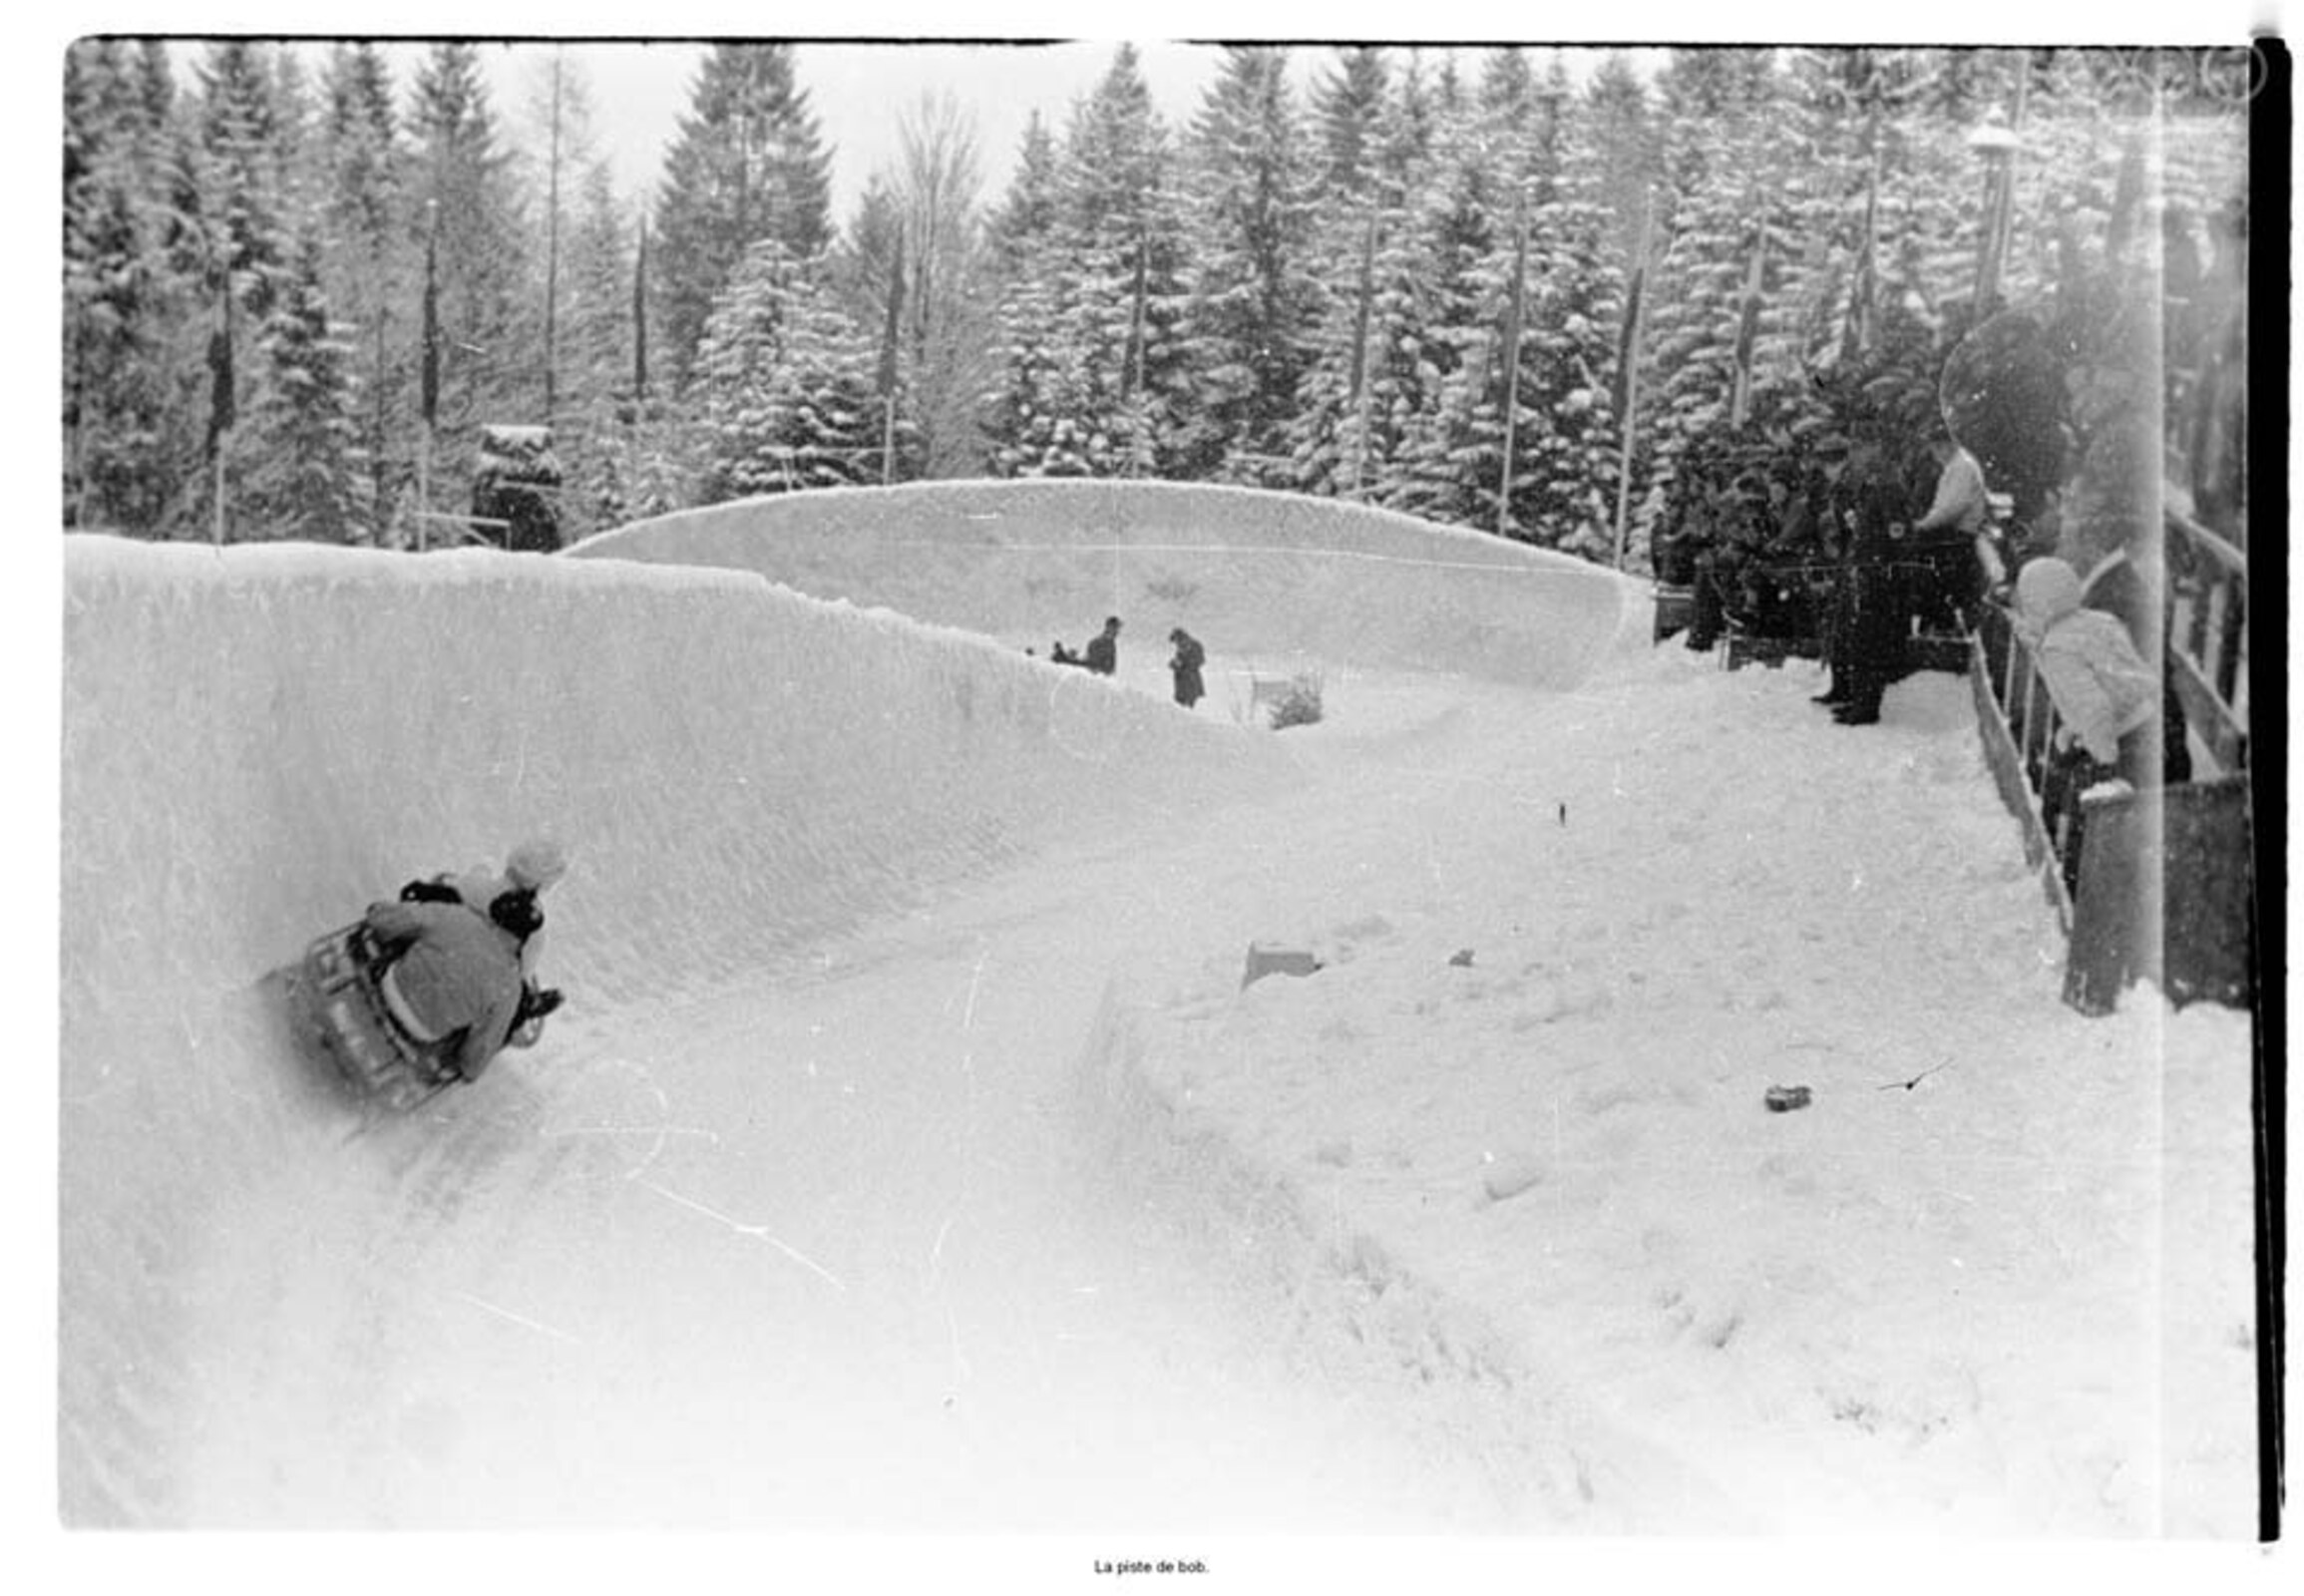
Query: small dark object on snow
1266, 960
1907, 1085
1564, 814
1462, 955
1783, 1099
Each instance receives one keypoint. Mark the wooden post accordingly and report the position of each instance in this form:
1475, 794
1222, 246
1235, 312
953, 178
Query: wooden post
1512, 363
1362, 378
1749, 323
1629, 360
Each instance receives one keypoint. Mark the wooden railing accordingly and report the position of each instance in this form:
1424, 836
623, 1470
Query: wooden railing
2207, 635
2153, 883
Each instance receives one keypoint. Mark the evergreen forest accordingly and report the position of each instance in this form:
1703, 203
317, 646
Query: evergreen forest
1508, 288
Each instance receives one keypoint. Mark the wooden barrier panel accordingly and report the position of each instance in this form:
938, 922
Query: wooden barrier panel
2177, 861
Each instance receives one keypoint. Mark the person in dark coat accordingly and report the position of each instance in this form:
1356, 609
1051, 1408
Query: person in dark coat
1185, 666
1870, 616
1102, 655
531, 867
451, 976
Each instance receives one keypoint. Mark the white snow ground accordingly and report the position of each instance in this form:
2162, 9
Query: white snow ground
908, 1158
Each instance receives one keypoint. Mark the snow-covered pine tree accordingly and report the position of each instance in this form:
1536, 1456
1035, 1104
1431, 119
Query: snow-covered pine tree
1376, 366
1033, 367
1119, 260
1348, 102
125, 286
360, 170
237, 125
1727, 289
1026, 215
1617, 144
301, 471
783, 386
1453, 459
464, 185
1406, 133
1247, 328
857, 267
748, 164
597, 357
1353, 442
1566, 447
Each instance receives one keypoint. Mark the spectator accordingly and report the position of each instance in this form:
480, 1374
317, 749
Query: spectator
1951, 538
2102, 689
1185, 666
1102, 655
2116, 586
1871, 618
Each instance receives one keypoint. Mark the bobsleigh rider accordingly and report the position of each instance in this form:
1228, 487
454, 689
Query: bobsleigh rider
423, 993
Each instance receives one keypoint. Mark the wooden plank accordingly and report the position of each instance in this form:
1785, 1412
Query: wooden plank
2006, 762
2168, 893
2210, 718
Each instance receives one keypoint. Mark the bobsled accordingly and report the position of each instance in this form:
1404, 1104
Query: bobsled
342, 1007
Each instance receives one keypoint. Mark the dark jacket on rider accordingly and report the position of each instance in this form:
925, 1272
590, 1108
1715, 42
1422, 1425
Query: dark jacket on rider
451, 975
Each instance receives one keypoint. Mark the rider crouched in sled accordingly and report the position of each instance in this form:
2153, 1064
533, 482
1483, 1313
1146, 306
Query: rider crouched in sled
530, 868
451, 976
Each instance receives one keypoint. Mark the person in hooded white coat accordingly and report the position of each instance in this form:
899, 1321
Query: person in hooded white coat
2107, 695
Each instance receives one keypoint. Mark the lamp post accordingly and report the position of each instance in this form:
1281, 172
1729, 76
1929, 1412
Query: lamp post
1997, 143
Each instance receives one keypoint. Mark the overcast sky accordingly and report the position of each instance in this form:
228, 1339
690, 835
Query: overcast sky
858, 92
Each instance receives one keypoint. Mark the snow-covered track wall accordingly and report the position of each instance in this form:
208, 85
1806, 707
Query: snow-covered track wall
260, 740
1248, 573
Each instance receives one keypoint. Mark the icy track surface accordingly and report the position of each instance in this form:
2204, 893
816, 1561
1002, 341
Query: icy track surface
803, 1217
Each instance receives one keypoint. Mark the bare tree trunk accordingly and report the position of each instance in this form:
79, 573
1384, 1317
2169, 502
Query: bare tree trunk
552, 248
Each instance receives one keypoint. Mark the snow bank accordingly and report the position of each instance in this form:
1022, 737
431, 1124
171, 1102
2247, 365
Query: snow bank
1368, 1320
1245, 572
261, 740
1509, 1149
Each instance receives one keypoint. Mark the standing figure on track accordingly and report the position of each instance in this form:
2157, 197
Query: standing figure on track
1185, 666
1871, 617
1950, 537
1103, 652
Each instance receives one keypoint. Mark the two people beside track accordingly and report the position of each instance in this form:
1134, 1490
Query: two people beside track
1186, 663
